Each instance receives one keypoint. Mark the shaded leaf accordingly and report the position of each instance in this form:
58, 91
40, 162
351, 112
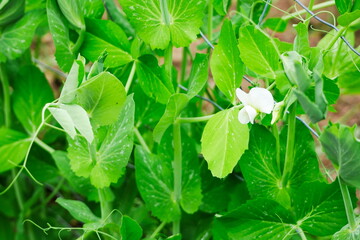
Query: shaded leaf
199, 74
79, 210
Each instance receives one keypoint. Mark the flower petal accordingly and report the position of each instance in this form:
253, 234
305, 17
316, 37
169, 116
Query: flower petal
242, 96
261, 99
247, 114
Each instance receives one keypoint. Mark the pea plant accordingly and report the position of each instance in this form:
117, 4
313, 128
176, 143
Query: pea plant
174, 119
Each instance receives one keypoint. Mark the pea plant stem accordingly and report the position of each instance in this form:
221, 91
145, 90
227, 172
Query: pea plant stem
104, 204
308, 15
177, 166
141, 140
131, 77
290, 143
348, 204
44, 146
157, 230
334, 39
6, 91
168, 61
195, 119
183, 65
301, 233
79, 42
277, 138
210, 17
17, 190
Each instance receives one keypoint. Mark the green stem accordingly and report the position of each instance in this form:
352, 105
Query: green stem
44, 146
210, 18
131, 77
17, 190
165, 12
334, 39
195, 119
348, 204
55, 191
104, 205
157, 230
308, 15
315, 7
168, 62
141, 140
277, 138
75, 49
183, 65
301, 233
177, 166
6, 91
290, 143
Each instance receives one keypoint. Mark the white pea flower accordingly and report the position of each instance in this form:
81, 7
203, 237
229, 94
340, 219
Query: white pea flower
257, 100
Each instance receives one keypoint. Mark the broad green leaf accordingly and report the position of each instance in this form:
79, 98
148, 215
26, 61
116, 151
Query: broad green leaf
79, 210
60, 33
221, 6
130, 229
154, 179
92, 8
257, 219
109, 32
311, 108
152, 79
80, 184
191, 196
331, 92
319, 208
260, 168
73, 80
301, 42
226, 64
343, 5
31, 93
343, 149
117, 17
13, 148
10, 11
102, 97
276, 24
347, 18
93, 46
64, 119
350, 82
98, 66
199, 74
346, 233
104, 161
72, 11
159, 22
17, 37
295, 71
80, 119
258, 52
223, 142
176, 104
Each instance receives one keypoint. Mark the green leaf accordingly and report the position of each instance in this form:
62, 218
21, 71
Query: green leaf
64, 119
79, 184
311, 108
221, 6
257, 219
295, 71
319, 208
152, 79
159, 22
223, 142
17, 37
104, 161
60, 33
258, 52
350, 82
199, 74
13, 148
10, 11
92, 8
347, 18
226, 64
31, 93
154, 179
343, 5
176, 104
73, 80
130, 229
72, 12
276, 24
260, 168
346, 233
102, 97
191, 196
343, 149
301, 42
79, 210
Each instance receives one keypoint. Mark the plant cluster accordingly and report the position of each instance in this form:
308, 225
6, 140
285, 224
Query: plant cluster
133, 147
